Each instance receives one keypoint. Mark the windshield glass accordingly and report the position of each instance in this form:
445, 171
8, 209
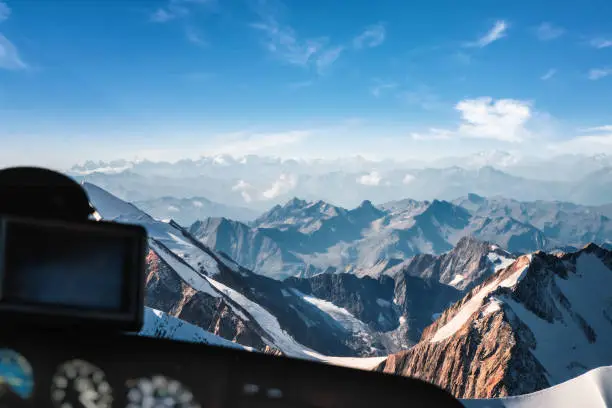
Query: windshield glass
420, 188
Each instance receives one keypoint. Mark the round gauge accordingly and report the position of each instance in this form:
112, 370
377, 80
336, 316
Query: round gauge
79, 384
159, 392
16, 374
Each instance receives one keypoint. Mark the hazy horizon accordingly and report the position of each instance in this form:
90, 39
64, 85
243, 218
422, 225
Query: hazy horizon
181, 78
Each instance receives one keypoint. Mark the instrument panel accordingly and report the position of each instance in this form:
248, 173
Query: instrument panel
74, 370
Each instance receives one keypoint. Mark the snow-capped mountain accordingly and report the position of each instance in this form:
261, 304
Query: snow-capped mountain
304, 238
543, 320
259, 183
190, 281
467, 264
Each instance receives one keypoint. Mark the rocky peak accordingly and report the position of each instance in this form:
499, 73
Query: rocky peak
475, 198
295, 202
366, 212
446, 213
465, 266
538, 322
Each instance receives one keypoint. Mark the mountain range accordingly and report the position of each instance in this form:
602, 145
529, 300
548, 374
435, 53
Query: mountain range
259, 183
477, 320
304, 238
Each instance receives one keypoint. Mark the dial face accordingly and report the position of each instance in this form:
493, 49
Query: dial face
79, 384
159, 392
15, 374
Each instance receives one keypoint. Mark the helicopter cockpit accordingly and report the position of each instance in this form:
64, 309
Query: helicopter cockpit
72, 297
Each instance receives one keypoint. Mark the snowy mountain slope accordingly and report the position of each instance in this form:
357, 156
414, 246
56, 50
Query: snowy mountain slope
162, 325
234, 302
169, 234
541, 321
368, 299
592, 389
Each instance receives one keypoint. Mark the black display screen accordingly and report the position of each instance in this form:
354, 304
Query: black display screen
57, 265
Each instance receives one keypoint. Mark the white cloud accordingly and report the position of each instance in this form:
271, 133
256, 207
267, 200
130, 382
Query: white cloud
371, 179
5, 11
373, 36
549, 74
246, 190
547, 31
495, 33
284, 184
484, 118
598, 73
601, 42
409, 178
9, 56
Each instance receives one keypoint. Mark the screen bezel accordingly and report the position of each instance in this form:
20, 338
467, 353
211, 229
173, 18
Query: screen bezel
131, 315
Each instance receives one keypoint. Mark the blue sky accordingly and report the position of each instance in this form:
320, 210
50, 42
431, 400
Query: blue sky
385, 78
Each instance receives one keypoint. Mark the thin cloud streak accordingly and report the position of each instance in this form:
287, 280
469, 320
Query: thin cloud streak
601, 42
283, 42
327, 58
373, 36
195, 37
497, 32
549, 74
9, 56
379, 88
599, 73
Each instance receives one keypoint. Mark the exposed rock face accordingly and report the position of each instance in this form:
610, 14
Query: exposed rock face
366, 298
273, 351
420, 301
167, 292
537, 323
304, 321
